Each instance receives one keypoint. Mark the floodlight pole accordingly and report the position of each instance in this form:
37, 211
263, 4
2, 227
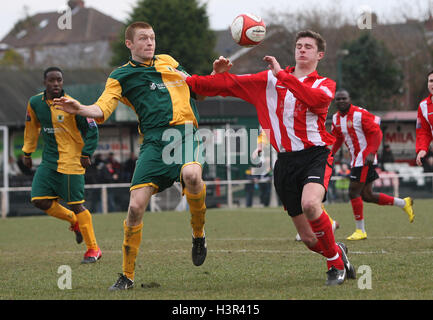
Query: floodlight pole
5, 192
340, 55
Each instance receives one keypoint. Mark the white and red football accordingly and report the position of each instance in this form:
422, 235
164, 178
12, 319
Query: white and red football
248, 30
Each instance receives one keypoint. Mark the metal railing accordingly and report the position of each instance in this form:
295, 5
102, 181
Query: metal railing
230, 189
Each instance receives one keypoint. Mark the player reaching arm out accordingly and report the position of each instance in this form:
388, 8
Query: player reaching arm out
292, 104
317, 99
74, 107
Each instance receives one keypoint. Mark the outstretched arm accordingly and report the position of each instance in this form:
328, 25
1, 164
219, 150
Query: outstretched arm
318, 99
220, 65
74, 107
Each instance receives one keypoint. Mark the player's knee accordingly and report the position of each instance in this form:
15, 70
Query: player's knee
310, 206
367, 197
353, 193
136, 207
43, 204
135, 212
191, 177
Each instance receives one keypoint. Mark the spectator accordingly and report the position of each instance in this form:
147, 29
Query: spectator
387, 156
249, 188
128, 168
92, 177
115, 165
98, 161
108, 175
14, 170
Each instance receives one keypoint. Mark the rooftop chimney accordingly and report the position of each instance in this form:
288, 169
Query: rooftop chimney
75, 4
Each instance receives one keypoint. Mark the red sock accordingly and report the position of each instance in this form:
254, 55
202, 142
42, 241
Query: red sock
322, 228
385, 200
358, 208
317, 248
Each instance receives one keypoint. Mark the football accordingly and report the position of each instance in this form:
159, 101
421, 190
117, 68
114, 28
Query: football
248, 30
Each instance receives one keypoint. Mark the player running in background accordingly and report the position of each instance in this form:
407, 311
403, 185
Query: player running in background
424, 123
69, 141
360, 130
149, 84
292, 104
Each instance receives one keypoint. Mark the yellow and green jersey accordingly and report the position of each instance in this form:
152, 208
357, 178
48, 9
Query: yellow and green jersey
155, 91
66, 137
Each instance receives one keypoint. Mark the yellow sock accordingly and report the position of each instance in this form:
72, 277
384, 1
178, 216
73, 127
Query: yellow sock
58, 211
330, 219
131, 244
197, 207
86, 228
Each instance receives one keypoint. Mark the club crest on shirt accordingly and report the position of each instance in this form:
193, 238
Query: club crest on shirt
349, 124
60, 118
28, 118
91, 122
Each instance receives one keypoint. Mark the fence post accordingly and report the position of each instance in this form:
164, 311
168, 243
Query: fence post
104, 200
4, 203
228, 168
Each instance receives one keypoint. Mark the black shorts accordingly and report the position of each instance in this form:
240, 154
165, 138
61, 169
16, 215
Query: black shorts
365, 174
293, 170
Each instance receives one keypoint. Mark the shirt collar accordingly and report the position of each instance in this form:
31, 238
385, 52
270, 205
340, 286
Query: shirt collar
44, 96
348, 111
139, 64
314, 74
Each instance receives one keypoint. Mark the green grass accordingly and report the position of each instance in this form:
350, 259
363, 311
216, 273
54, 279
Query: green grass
251, 255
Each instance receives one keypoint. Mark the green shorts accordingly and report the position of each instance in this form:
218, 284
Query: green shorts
163, 153
50, 184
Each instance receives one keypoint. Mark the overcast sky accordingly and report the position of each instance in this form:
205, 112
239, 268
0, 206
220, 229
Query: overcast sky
220, 12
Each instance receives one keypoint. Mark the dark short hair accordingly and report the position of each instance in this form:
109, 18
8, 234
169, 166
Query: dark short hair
52, 69
431, 72
342, 90
320, 41
130, 30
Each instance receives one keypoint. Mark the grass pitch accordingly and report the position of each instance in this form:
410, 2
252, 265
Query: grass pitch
251, 255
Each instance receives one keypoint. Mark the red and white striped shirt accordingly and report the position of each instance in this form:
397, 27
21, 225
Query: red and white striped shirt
292, 110
424, 121
360, 130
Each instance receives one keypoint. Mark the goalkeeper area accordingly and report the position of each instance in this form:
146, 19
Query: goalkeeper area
252, 254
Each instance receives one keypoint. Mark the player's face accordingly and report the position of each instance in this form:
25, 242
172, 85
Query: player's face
143, 45
54, 84
342, 101
430, 83
306, 51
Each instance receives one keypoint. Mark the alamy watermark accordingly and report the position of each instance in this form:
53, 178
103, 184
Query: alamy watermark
364, 281
365, 17
65, 280
65, 20
218, 146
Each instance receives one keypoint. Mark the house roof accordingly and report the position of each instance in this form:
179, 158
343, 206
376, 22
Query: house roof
87, 24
